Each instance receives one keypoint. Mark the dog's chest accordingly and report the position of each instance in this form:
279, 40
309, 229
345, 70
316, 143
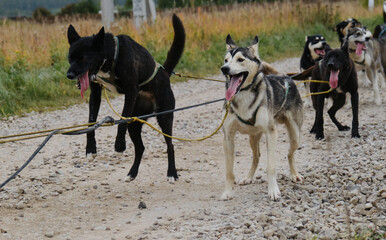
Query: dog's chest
104, 79
246, 106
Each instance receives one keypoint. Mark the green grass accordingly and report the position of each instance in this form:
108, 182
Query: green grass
25, 88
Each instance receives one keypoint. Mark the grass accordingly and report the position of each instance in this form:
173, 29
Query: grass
33, 60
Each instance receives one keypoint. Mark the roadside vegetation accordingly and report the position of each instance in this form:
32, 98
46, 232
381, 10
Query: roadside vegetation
33, 55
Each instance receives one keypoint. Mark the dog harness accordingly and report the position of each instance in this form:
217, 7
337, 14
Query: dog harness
108, 79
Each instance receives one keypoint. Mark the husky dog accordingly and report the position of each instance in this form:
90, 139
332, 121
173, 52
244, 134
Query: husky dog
344, 26
258, 102
124, 66
314, 50
369, 55
339, 70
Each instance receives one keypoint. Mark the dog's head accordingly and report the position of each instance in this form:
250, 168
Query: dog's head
344, 26
334, 62
316, 45
86, 55
241, 65
356, 39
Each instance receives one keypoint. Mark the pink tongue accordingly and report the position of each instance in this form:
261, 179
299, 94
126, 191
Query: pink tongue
84, 82
231, 91
359, 49
319, 52
334, 79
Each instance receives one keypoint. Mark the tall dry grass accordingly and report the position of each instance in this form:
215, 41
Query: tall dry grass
33, 60
37, 42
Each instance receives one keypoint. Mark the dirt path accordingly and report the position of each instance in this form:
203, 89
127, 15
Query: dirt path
63, 195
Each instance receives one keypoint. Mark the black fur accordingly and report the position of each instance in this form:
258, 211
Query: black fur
134, 66
348, 82
342, 28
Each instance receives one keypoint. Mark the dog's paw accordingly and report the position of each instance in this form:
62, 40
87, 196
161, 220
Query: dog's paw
171, 179
297, 178
378, 101
274, 192
319, 136
366, 83
227, 195
246, 181
128, 178
90, 156
355, 135
344, 128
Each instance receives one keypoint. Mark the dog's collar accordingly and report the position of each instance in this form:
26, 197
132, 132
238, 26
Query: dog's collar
252, 83
362, 62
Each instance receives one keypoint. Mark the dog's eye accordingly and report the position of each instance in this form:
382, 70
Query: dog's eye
225, 60
240, 59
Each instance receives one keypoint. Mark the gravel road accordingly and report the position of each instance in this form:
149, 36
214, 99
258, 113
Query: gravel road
64, 195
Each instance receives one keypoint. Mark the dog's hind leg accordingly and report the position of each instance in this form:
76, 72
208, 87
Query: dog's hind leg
94, 105
294, 137
166, 124
254, 141
355, 122
372, 75
229, 152
271, 138
134, 130
338, 103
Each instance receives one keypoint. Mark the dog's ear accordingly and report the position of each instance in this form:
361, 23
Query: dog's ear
72, 35
230, 43
306, 39
99, 39
254, 48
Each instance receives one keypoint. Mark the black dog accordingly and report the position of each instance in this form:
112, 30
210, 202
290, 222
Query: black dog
124, 66
343, 27
337, 68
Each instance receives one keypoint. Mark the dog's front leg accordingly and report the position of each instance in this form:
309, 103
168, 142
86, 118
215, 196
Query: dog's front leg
94, 105
254, 142
271, 138
229, 151
319, 117
120, 141
355, 121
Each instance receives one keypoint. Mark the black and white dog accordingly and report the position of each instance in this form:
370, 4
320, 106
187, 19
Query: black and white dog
258, 103
123, 65
314, 50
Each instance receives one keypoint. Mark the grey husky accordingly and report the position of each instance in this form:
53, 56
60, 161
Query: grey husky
368, 54
258, 102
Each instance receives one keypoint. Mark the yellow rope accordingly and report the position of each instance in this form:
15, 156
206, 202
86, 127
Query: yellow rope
318, 93
159, 131
188, 76
317, 81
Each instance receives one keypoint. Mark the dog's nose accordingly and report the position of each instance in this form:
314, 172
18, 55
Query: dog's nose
225, 69
70, 75
324, 44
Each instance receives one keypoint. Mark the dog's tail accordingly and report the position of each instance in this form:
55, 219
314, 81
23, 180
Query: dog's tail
175, 51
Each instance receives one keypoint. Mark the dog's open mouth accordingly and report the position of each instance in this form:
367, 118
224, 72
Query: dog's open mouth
361, 46
235, 83
83, 83
334, 78
319, 51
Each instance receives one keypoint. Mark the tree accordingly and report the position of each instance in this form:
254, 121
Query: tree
41, 12
84, 7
